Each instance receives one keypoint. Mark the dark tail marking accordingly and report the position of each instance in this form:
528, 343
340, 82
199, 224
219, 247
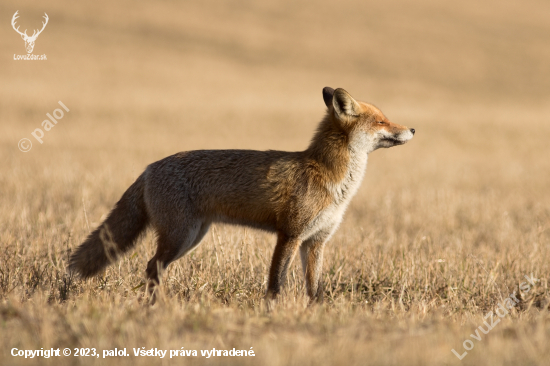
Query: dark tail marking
116, 235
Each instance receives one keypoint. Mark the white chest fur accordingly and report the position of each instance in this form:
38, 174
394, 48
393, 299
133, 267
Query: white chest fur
343, 191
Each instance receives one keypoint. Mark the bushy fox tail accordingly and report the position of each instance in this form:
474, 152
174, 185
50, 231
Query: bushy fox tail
116, 235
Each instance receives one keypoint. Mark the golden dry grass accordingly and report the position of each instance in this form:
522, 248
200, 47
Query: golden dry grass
441, 231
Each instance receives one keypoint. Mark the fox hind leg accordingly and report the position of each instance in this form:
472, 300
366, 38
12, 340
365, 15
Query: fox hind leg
198, 238
171, 245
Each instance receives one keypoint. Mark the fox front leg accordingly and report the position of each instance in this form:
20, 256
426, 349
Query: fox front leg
284, 253
311, 253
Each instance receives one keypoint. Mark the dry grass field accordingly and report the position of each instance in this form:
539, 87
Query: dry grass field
443, 229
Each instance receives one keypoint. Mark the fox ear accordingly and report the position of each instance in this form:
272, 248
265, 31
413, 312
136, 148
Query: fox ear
327, 95
344, 104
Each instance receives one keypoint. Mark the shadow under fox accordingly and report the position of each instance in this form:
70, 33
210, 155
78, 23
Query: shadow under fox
300, 196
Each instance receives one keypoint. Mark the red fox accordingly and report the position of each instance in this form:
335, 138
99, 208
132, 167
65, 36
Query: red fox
301, 196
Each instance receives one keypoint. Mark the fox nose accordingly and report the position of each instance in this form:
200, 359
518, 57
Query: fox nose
412, 130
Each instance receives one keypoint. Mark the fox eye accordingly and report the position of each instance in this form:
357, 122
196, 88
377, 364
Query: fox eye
381, 122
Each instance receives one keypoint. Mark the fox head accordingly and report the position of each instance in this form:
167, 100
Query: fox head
364, 121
